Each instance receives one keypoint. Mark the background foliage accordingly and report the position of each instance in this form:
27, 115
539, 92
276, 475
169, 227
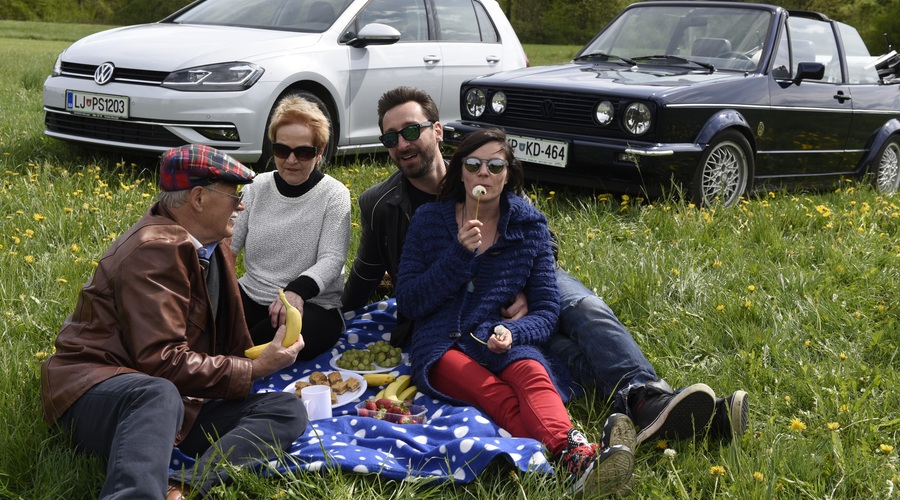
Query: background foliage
535, 21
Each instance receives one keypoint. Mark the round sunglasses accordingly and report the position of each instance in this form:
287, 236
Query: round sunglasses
410, 133
302, 153
494, 165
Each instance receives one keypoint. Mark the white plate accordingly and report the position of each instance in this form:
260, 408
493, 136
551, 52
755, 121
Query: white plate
378, 368
342, 399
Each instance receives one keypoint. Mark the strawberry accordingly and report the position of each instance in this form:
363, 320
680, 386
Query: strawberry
384, 403
362, 412
370, 405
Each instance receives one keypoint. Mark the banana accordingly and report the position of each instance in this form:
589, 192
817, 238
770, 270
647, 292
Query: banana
408, 393
397, 386
380, 394
292, 326
379, 379
293, 323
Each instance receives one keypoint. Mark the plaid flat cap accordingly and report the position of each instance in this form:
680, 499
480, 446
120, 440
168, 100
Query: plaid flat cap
194, 165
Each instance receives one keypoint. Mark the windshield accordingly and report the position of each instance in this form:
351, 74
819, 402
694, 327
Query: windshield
289, 15
727, 38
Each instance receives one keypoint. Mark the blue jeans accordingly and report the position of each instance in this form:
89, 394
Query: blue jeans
132, 419
594, 344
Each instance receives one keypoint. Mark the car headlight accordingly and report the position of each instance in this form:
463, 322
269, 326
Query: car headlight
57, 66
475, 102
637, 118
498, 103
604, 113
224, 77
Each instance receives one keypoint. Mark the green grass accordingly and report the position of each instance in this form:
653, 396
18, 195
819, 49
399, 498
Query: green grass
790, 296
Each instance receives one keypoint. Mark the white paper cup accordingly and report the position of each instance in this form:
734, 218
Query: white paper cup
317, 400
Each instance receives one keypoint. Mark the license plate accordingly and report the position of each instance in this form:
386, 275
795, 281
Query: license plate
543, 151
88, 103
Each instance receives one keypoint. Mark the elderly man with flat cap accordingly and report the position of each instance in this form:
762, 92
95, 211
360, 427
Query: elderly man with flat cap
152, 357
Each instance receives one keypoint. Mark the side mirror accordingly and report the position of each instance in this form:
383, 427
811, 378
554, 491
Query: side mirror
809, 71
375, 34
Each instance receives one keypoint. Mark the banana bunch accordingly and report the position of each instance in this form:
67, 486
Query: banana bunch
379, 379
293, 324
399, 390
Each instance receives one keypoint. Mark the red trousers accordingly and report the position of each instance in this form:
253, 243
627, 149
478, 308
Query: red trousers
522, 399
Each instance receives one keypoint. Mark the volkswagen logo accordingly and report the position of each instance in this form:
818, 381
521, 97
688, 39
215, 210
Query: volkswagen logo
104, 73
547, 108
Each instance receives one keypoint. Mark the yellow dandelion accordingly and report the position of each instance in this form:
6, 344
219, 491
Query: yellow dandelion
885, 448
62, 280
675, 272
843, 408
747, 303
16, 240
787, 399
68, 210
717, 471
625, 197
758, 476
720, 308
797, 425
75, 248
29, 233
751, 288
29, 259
857, 314
833, 426
717, 264
807, 343
843, 357
662, 444
38, 217
40, 355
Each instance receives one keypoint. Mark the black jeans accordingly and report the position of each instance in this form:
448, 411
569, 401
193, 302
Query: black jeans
132, 419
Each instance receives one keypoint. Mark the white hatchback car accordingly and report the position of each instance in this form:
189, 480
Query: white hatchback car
212, 72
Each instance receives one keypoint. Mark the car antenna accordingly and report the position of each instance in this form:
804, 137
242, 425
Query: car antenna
887, 40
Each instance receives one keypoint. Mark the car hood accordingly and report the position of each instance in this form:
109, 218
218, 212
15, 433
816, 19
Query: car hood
168, 47
606, 77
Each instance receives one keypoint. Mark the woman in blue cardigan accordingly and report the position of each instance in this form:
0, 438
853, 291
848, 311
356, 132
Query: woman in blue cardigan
466, 257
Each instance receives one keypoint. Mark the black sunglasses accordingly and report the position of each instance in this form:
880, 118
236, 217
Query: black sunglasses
494, 165
410, 133
302, 153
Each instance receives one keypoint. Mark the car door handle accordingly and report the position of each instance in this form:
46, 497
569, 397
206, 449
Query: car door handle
841, 97
492, 59
431, 59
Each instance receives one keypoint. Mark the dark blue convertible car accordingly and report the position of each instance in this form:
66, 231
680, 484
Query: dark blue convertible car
717, 98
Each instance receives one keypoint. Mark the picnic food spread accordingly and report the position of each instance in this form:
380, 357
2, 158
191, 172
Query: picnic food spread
333, 379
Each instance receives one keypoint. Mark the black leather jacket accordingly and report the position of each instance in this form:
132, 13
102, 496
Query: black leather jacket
385, 213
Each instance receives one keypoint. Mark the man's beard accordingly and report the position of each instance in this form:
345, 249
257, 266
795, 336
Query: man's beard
420, 169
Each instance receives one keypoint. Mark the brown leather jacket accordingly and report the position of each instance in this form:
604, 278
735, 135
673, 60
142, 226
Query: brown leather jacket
146, 309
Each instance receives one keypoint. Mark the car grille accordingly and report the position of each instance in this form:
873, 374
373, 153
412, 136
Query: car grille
121, 75
123, 131
558, 111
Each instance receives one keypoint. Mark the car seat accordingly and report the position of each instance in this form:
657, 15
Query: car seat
710, 47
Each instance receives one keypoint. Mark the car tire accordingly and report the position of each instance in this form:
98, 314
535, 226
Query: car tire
265, 162
887, 167
724, 172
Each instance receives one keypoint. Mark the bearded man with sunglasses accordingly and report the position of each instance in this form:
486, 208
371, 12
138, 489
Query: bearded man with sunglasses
591, 341
295, 232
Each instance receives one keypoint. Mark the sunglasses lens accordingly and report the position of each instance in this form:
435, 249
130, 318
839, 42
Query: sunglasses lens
389, 139
411, 132
304, 153
281, 151
496, 166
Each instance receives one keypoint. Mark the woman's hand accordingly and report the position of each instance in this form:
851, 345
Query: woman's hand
276, 309
469, 234
500, 341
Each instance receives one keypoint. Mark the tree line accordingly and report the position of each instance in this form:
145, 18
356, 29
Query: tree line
566, 22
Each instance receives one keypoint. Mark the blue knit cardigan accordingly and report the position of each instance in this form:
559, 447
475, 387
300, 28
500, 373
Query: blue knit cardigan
452, 294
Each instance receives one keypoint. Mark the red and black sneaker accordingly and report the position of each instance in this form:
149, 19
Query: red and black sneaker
596, 472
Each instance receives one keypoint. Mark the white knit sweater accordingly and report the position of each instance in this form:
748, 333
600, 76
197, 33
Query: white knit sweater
284, 238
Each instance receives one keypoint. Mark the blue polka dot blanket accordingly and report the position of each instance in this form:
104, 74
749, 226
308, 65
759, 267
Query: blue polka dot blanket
454, 444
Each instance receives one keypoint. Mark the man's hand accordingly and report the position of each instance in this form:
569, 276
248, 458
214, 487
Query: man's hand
500, 341
515, 310
277, 313
275, 357
469, 234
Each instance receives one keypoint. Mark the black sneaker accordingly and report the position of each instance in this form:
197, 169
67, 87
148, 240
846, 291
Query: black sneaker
595, 472
662, 413
730, 420
618, 430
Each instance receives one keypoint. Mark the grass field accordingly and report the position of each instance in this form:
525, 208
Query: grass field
788, 295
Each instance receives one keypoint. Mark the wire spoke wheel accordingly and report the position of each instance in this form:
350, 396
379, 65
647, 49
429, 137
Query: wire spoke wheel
723, 173
888, 168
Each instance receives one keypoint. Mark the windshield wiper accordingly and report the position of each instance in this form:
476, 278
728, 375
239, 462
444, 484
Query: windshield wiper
602, 56
668, 58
